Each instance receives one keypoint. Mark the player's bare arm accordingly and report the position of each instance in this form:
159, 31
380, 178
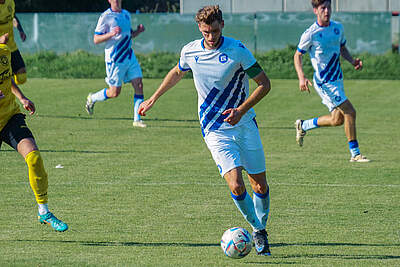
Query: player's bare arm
18, 25
170, 80
356, 62
26, 103
140, 28
100, 38
304, 83
263, 88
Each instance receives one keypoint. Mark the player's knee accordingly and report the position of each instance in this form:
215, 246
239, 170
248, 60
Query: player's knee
338, 121
20, 78
237, 188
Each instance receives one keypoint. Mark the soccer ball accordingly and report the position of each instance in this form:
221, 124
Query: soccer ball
236, 242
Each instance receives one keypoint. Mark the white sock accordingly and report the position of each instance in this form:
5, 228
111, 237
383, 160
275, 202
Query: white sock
100, 96
310, 124
43, 208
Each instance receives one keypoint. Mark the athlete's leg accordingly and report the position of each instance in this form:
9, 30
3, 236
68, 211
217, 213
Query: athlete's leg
261, 196
241, 198
137, 85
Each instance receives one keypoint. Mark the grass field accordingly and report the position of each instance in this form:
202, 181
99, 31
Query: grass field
153, 196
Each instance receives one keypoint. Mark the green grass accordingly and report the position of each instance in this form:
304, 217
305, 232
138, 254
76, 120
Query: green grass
153, 196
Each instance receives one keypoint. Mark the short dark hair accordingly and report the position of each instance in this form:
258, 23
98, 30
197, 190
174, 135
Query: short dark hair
209, 14
317, 3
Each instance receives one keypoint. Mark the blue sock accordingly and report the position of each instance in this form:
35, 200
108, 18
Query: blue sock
261, 206
245, 205
137, 100
310, 124
354, 149
100, 96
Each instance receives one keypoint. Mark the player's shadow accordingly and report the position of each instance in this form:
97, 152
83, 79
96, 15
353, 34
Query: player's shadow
74, 151
125, 244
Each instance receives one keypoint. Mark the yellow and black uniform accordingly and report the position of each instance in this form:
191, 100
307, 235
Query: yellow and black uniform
13, 128
7, 13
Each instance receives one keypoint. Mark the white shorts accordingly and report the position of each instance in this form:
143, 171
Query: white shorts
237, 147
332, 94
118, 73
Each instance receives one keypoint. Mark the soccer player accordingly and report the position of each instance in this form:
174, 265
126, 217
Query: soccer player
8, 21
221, 69
114, 28
326, 42
14, 132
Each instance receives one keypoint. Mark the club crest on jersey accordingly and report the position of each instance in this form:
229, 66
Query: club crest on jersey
336, 31
4, 60
223, 58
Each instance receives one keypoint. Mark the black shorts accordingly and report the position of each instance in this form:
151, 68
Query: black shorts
17, 62
15, 130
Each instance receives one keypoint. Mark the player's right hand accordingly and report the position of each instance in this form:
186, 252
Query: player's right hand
28, 105
304, 85
145, 106
1, 95
116, 30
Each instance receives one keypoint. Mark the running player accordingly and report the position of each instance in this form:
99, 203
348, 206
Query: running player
326, 43
8, 21
14, 132
221, 69
114, 28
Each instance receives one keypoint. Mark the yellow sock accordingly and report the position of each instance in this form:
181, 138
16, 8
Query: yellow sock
20, 78
37, 176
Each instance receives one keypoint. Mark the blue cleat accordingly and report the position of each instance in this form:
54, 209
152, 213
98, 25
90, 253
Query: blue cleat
260, 239
57, 224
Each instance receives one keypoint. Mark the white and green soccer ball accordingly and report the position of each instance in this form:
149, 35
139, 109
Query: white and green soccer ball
236, 242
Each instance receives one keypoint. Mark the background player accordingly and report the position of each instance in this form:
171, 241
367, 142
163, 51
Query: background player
8, 21
14, 132
114, 28
326, 42
221, 67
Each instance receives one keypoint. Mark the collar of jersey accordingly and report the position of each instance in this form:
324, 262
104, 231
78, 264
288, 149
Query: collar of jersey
323, 26
222, 41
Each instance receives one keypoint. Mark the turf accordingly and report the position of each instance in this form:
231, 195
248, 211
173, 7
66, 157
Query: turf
153, 196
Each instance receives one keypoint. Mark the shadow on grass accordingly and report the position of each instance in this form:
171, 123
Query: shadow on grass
75, 151
123, 244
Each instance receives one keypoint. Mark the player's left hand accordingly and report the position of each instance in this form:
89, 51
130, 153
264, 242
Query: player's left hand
140, 28
358, 64
28, 105
1, 95
234, 116
22, 35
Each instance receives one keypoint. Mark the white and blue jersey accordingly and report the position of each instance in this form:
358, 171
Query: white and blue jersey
324, 45
220, 80
118, 48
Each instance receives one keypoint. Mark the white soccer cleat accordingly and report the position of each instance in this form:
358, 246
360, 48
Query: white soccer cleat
89, 104
359, 158
300, 133
139, 124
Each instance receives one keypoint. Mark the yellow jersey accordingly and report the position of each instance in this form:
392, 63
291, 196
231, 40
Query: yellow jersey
7, 12
8, 106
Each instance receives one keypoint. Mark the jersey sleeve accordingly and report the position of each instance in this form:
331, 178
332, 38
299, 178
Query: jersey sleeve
183, 62
101, 27
305, 42
246, 57
342, 37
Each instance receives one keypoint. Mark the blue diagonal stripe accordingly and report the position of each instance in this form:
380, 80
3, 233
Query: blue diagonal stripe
231, 103
338, 71
331, 61
220, 101
117, 48
129, 52
123, 50
331, 71
207, 102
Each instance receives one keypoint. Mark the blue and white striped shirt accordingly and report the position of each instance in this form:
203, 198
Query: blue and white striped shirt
220, 79
324, 45
118, 48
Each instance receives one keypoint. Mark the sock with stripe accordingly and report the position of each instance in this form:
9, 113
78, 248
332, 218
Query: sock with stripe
137, 100
261, 206
100, 96
310, 124
354, 149
245, 205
